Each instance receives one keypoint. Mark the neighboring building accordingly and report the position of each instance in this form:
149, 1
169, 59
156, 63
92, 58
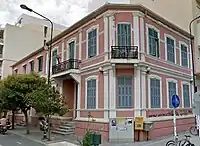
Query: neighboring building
23, 38
1, 49
121, 61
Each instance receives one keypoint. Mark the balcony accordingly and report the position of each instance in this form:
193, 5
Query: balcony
124, 54
63, 67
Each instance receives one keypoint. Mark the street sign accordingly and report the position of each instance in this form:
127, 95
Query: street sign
175, 101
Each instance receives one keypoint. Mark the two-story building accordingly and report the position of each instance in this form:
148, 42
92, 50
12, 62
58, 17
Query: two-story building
120, 61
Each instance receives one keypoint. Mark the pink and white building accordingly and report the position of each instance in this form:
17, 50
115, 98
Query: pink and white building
120, 61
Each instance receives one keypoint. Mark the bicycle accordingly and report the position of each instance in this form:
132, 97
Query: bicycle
194, 130
183, 142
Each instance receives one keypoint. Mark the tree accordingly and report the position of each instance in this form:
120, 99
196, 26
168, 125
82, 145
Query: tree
48, 101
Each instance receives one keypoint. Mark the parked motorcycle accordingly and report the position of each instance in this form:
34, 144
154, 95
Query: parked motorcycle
3, 130
8, 125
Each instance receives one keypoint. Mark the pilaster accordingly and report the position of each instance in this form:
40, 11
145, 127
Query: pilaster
106, 94
144, 91
137, 90
106, 29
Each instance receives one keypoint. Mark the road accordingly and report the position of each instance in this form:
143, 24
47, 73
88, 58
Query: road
15, 140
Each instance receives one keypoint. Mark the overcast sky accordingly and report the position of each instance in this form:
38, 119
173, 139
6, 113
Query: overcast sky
65, 12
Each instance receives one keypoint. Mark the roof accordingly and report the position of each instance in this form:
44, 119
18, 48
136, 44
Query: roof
102, 9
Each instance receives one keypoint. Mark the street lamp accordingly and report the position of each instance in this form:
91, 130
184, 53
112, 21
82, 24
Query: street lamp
192, 53
50, 48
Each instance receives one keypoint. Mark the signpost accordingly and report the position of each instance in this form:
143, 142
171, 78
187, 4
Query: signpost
175, 104
196, 109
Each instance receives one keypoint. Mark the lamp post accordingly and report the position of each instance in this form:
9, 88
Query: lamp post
49, 51
192, 53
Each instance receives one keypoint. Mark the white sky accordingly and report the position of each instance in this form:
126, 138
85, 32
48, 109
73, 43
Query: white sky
65, 12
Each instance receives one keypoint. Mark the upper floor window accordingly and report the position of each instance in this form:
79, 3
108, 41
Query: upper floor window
124, 34
171, 50
54, 57
92, 43
124, 84
186, 96
40, 63
184, 55
31, 66
172, 90
15, 71
155, 93
72, 50
91, 93
24, 69
153, 40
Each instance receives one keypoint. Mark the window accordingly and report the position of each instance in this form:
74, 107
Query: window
15, 71
153, 42
54, 57
171, 50
91, 94
92, 43
71, 54
124, 34
124, 91
155, 93
184, 56
24, 69
31, 66
40, 63
186, 96
171, 91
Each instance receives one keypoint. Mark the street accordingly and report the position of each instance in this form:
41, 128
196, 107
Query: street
14, 140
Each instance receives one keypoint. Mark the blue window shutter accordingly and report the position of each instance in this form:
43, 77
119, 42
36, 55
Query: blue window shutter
91, 94
92, 43
186, 96
155, 93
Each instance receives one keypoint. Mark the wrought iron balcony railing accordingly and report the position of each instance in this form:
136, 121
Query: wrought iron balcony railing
124, 52
66, 65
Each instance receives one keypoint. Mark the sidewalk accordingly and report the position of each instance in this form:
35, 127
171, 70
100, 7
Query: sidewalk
36, 135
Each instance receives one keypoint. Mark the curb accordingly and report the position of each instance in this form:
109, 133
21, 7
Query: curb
27, 137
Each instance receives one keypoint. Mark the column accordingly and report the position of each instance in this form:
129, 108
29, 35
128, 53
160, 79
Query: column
106, 36
112, 90
142, 37
137, 90
144, 91
78, 100
136, 40
106, 94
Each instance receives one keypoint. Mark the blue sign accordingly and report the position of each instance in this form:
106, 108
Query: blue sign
175, 101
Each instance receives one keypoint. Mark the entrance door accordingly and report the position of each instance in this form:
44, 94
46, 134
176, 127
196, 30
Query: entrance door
71, 55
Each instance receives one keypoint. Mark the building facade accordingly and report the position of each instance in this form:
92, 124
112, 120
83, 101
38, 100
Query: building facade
23, 38
121, 61
1, 49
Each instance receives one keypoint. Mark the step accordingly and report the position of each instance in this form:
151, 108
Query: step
64, 130
62, 133
67, 127
67, 122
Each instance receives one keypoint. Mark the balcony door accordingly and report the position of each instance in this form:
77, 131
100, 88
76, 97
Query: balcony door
71, 54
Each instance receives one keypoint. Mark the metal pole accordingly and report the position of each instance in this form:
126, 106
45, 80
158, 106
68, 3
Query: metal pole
175, 133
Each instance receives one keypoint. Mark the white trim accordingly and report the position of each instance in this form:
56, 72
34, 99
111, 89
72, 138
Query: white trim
174, 81
15, 69
74, 106
185, 83
79, 100
97, 89
137, 90
171, 37
136, 39
149, 89
106, 95
24, 64
117, 31
97, 41
68, 42
106, 29
30, 60
39, 56
188, 53
142, 39
147, 38
112, 92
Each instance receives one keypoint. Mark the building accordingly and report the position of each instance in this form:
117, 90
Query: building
23, 38
1, 48
178, 8
120, 61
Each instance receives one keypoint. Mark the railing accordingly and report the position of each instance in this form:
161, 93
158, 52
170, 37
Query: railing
66, 65
124, 52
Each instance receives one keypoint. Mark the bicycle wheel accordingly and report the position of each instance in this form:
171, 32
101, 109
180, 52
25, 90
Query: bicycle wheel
184, 142
170, 143
194, 130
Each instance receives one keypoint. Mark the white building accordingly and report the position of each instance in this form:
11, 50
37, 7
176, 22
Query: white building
28, 34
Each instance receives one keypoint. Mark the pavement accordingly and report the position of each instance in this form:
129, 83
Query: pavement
18, 137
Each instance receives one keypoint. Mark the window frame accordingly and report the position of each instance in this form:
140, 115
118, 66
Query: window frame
97, 99
55, 48
24, 66
188, 52
131, 31
147, 38
68, 47
175, 57
167, 81
97, 40
16, 71
149, 89
41, 56
186, 83
33, 65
